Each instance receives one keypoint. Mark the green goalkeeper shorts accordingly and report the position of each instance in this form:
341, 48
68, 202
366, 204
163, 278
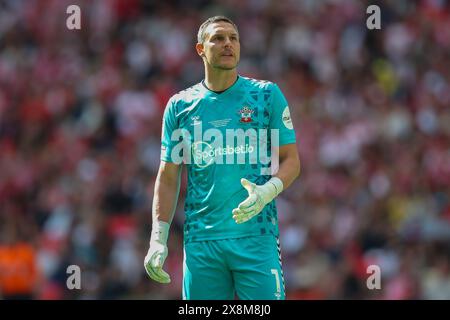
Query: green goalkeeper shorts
249, 268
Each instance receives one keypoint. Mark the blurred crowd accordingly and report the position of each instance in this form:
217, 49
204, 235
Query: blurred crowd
80, 123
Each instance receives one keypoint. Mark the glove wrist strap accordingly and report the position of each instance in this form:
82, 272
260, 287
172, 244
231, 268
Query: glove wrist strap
160, 231
278, 184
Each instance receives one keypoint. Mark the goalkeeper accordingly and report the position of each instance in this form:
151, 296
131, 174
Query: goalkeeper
231, 231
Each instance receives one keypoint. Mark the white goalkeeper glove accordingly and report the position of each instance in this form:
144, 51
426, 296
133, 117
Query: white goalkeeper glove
258, 197
157, 252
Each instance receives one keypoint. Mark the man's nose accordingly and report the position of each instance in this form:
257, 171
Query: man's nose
227, 42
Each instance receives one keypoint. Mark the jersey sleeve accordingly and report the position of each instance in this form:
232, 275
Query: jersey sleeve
281, 118
169, 125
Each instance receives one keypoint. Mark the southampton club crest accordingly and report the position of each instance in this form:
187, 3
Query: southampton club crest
246, 114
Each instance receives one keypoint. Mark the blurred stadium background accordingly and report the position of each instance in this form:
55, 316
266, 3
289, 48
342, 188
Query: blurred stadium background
80, 121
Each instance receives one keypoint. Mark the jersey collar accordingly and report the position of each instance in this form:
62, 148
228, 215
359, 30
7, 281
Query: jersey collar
209, 93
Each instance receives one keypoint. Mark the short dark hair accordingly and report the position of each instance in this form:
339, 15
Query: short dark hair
201, 30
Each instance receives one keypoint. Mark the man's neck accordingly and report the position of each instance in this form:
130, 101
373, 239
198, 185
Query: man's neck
220, 80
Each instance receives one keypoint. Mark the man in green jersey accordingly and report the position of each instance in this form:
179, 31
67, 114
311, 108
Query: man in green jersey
236, 139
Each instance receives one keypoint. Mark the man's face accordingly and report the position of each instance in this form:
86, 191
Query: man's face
221, 47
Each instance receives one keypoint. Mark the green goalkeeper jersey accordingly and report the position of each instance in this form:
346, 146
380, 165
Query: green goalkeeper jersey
221, 138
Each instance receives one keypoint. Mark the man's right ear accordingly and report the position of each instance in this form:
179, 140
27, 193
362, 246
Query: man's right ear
199, 48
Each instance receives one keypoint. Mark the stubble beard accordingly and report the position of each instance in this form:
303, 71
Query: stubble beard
225, 67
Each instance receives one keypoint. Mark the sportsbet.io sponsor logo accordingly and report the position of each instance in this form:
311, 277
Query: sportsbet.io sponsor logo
236, 146
204, 154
